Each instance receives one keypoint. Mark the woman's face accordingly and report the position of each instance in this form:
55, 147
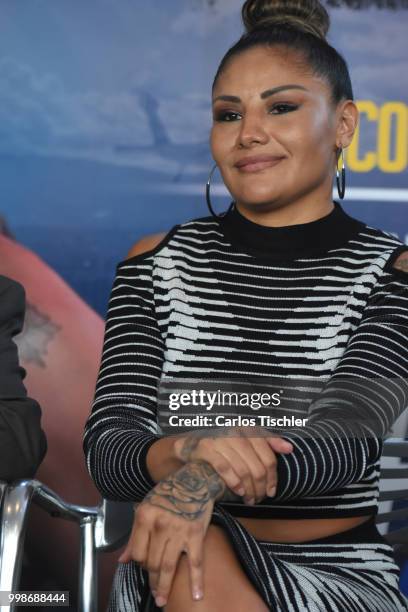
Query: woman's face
295, 125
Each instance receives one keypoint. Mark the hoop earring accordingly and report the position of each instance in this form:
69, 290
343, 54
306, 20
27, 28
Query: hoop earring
208, 198
341, 189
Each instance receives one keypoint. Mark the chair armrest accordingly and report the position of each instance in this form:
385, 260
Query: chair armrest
52, 503
103, 527
17, 499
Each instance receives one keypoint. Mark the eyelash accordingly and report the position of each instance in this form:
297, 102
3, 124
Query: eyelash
221, 116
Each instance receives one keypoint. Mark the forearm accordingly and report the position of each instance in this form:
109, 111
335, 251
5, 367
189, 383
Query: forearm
322, 463
161, 460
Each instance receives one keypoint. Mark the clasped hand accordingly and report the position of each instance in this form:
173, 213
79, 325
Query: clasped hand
244, 457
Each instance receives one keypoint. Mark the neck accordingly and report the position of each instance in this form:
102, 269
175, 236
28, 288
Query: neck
331, 230
286, 215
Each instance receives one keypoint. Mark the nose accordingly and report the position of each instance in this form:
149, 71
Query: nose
252, 130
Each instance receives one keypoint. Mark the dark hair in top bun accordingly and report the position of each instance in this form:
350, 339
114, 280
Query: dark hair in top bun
308, 16
300, 25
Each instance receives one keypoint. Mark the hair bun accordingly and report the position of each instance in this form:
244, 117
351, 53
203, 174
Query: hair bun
307, 15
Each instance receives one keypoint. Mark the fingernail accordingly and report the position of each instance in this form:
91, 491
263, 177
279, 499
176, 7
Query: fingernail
154, 593
241, 491
271, 491
197, 593
160, 601
251, 501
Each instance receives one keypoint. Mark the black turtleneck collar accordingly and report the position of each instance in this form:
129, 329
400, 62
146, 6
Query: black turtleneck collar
289, 241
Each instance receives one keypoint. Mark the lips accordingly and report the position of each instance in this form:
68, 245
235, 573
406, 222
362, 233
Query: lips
259, 162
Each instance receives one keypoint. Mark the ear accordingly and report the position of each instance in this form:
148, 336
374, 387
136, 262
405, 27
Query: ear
347, 120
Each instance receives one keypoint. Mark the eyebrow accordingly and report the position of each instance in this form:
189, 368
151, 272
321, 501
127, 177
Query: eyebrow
264, 94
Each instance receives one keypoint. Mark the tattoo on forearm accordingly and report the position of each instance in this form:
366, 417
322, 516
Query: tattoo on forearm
187, 492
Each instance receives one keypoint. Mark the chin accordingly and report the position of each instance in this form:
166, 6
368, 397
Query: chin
255, 198
255, 190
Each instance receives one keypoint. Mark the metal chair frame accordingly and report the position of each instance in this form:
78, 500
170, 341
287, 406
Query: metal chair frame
102, 528
107, 526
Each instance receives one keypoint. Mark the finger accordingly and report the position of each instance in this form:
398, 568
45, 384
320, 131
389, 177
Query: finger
125, 557
223, 466
170, 558
280, 445
236, 455
208, 450
246, 489
268, 458
155, 556
195, 554
257, 469
137, 546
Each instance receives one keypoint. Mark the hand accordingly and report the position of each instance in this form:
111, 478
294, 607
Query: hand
174, 517
247, 463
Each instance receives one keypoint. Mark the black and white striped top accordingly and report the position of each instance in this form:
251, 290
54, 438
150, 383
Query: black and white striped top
230, 298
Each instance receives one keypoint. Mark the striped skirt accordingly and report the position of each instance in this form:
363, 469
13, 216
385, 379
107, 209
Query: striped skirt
353, 571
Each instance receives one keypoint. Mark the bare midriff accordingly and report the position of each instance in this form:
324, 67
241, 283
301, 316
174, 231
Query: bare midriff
298, 530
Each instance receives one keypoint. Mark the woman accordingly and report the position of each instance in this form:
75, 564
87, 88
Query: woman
284, 285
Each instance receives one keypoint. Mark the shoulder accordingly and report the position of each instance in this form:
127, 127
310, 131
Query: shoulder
149, 245
381, 241
152, 243
145, 244
401, 262
397, 262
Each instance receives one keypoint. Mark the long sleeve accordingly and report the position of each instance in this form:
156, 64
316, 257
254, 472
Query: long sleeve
22, 441
122, 424
366, 393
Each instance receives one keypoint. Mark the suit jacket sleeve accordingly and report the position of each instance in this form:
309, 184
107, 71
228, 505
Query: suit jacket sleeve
22, 441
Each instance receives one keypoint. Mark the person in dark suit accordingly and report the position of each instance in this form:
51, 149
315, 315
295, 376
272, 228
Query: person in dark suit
22, 441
